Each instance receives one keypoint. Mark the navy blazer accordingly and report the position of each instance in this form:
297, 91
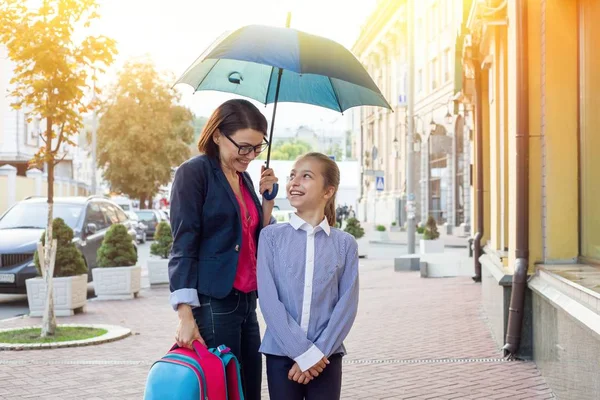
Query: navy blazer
207, 231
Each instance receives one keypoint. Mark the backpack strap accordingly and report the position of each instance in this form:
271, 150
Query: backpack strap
232, 371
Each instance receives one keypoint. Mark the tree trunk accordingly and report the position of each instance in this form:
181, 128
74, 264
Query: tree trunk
49, 320
143, 202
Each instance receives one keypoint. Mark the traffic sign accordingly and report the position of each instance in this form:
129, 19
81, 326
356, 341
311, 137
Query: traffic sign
379, 183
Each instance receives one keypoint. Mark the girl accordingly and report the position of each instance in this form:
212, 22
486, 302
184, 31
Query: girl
308, 287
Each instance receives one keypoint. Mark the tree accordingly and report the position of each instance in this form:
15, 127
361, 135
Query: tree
353, 227
163, 240
142, 132
288, 150
431, 230
69, 260
336, 151
54, 68
117, 248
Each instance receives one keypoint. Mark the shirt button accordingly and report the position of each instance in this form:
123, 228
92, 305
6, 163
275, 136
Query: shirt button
237, 247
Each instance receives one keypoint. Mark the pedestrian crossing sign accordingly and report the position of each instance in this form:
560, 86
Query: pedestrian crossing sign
379, 183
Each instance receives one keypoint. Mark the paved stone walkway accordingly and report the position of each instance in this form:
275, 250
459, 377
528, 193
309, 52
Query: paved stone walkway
413, 339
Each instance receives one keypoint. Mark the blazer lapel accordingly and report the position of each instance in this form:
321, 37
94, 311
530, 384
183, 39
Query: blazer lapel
225, 183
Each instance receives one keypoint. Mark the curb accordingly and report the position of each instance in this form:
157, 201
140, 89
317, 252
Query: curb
113, 333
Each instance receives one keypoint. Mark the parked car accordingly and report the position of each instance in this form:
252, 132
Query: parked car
151, 218
22, 225
124, 202
139, 226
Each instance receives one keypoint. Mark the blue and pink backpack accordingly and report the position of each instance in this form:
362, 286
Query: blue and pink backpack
199, 374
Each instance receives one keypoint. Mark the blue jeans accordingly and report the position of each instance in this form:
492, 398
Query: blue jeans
327, 386
232, 321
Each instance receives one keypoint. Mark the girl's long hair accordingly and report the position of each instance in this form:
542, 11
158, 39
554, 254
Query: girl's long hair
331, 175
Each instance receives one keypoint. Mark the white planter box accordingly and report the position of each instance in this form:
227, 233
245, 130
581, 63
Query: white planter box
431, 246
158, 271
117, 283
69, 293
363, 247
379, 236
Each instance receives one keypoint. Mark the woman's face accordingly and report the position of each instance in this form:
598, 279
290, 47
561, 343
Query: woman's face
240, 142
306, 187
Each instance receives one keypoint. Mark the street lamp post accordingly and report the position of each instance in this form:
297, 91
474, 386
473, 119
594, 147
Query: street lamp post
410, 179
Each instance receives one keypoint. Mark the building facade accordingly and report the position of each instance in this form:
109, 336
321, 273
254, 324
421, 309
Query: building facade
442, 159
444, 154
532, 68
380, 138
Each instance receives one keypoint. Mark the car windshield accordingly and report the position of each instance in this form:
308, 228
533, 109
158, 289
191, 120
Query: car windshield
35, 215
146, 215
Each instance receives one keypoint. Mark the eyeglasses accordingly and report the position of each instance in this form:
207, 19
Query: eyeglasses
245, 150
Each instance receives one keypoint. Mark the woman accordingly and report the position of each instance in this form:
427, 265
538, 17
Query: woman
216, 219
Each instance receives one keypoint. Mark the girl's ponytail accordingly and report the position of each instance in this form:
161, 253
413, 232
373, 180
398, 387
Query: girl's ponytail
330, 212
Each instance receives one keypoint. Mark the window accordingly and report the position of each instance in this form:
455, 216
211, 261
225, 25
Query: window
95, 216
589, 134
434, 21
433, 74
447, 65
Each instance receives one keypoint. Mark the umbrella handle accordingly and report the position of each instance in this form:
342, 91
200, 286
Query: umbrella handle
273, 194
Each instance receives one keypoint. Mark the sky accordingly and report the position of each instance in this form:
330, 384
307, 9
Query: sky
173, 33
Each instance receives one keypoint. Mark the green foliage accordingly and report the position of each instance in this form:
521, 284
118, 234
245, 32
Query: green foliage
335, 150
117, 248
163, 240
394, 223
431, 231
288, 150
353, 227
380, 228
420, 230
69, 260
55, 65
142, 118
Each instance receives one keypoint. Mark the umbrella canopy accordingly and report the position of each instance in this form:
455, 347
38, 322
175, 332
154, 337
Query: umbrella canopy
315, 70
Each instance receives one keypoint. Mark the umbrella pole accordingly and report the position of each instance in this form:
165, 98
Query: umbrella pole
273, 194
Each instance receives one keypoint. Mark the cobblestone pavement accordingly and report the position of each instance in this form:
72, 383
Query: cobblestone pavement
413, 339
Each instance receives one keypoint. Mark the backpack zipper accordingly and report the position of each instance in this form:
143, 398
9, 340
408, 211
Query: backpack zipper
199, 375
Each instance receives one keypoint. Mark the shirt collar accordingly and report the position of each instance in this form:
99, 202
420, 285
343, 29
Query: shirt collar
298, 223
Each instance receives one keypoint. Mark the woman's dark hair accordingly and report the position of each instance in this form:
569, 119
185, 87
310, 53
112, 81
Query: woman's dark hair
229, 118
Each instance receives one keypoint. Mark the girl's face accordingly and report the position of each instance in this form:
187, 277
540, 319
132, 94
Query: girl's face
306, 187
237, 150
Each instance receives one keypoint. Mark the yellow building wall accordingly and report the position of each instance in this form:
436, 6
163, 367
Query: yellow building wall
495, 137
486, 159
535, 131
511, 129
560, 130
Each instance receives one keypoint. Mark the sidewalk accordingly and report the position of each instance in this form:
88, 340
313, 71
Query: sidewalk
413, 339
401, 238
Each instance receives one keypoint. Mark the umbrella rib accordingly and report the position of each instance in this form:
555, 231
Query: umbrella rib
269, 85
207, 74
337, 99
